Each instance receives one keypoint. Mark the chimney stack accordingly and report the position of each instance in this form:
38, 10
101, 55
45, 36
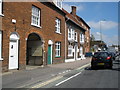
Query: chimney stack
73, 10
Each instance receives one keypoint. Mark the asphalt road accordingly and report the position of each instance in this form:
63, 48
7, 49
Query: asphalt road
88, 78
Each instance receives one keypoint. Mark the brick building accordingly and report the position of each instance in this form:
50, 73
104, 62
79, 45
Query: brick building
40, 33
77, 36
32, 33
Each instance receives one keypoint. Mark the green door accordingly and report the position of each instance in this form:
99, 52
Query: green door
49, 54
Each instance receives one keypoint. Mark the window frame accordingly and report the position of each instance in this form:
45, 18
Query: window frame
82, 37
58, 25
71, 31
1, 8
1, 45
58, 50
75, 36
35, 16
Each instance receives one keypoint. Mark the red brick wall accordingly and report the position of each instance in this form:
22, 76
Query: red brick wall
21, 12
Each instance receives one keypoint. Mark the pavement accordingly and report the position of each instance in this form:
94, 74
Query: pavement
35, 74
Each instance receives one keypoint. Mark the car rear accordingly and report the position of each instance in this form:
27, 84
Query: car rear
101, 59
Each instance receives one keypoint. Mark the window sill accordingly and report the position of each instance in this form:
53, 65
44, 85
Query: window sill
57, 56
36, 25
2, 15
58, 32
70, 55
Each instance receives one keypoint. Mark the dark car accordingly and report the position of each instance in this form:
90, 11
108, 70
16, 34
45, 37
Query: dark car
88, 54
112, 54
101, 59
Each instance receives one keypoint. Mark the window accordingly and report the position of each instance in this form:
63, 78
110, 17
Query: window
57, 26
71, 34
70, 48
57, 49
1, 8
81, 37
75, 36
35, 16
0, 45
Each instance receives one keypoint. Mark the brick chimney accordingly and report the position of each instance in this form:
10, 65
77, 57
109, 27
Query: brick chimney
73, 10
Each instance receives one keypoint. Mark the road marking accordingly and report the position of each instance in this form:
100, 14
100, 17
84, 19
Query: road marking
68, 79
83, 66
47, 82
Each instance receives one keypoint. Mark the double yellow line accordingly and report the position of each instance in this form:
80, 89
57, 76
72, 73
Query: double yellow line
47, 82
56, 78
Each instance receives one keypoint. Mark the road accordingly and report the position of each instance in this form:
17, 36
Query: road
86, 78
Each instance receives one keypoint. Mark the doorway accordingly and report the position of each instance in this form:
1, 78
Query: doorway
34, 50
13, 51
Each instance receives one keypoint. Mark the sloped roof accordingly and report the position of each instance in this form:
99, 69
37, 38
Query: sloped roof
76, 19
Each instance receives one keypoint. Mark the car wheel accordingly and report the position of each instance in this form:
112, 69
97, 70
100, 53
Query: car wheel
110, 67
93, 67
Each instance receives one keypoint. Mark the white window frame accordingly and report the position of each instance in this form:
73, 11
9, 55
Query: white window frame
1, 3
35, 19
75, 36
57, 49
82, 37
71, 34
70, 47
58, 25
1, 45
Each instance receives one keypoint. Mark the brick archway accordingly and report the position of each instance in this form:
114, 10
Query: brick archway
34, 54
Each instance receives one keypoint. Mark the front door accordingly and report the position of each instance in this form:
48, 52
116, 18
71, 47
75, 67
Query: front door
50, 54
13, 54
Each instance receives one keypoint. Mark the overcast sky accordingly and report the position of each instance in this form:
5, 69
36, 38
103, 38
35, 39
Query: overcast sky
95, 13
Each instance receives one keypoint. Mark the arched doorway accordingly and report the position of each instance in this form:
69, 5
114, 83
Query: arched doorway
34, 50
13, 51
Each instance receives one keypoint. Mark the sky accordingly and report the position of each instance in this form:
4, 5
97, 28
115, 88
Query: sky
96, 15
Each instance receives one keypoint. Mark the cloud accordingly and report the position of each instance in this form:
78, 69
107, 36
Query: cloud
105, 25
109, 40
67, 7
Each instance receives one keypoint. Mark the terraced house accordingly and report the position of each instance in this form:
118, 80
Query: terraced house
77, 36
32, 33
40, 33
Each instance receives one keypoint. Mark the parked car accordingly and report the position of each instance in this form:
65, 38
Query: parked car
101, 59
112, 54
88, 54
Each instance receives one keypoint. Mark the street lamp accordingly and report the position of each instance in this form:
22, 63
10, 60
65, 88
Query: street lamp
101, 31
